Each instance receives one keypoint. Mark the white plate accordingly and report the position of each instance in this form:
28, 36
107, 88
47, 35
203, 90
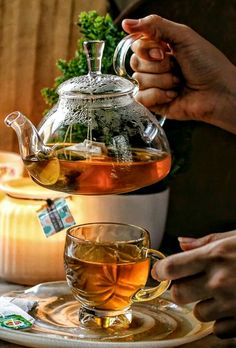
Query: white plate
160, 323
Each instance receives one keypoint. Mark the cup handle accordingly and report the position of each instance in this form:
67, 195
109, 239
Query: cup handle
149, 293
119, 59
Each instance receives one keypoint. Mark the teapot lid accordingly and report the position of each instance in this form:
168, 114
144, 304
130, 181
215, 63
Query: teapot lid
95, 83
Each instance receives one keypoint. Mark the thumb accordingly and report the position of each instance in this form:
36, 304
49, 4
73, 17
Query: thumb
156, 28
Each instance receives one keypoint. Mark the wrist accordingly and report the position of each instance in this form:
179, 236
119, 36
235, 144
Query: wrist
224, 112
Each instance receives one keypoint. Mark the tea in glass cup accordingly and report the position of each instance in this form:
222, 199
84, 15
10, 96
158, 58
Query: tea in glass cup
107, 268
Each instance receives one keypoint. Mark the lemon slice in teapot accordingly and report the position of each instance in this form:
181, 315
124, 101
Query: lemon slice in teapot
46, 171
50, 172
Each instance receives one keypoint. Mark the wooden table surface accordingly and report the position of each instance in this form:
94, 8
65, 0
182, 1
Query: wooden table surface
208, 342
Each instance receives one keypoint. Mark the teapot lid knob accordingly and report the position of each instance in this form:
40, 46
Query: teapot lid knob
94, 52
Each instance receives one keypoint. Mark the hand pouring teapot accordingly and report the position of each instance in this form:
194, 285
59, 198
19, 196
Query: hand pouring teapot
97, 139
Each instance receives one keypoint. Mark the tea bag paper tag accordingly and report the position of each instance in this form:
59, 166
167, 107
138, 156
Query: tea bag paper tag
55, 216
13, 317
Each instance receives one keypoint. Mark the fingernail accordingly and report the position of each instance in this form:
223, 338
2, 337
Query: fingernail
186, 240
156, 53
153, 274
171, 94
131, 22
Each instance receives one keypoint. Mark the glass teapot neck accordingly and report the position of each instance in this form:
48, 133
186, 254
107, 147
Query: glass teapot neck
94, 52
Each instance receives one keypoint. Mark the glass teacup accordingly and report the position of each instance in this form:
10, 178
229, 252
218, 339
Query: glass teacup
107, 268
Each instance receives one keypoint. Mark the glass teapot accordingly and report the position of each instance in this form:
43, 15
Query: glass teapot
97, 139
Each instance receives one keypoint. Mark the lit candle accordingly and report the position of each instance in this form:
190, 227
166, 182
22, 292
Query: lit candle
26, 255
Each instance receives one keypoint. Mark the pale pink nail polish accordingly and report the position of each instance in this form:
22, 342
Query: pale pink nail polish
130, 22
186, 240
156, 53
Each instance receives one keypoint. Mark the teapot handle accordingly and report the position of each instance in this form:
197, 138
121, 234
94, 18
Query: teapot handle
120, 54
119, 60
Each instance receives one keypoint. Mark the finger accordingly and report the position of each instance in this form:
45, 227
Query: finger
207, 310
180, 265
221, 282
152, 96
162, 81
190, 289
151, 50
161, 109
155, 28
225, 328
215, 307
147, 66
212, 256
192, 243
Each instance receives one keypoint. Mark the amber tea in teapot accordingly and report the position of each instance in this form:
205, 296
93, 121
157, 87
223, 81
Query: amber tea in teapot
97, 139
101, 174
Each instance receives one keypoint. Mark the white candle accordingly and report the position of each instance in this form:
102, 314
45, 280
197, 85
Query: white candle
26, 255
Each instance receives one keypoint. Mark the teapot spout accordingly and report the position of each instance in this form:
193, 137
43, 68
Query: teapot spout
30, 143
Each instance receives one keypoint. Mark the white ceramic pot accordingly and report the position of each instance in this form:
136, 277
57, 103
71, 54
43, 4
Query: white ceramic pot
145, 210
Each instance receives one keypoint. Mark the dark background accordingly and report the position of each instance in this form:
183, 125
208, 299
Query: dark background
202, 197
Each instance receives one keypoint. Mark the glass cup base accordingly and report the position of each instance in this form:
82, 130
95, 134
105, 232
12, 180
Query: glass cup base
92, 318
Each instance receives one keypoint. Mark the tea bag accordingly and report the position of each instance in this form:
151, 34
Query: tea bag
25, 304
13, 313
